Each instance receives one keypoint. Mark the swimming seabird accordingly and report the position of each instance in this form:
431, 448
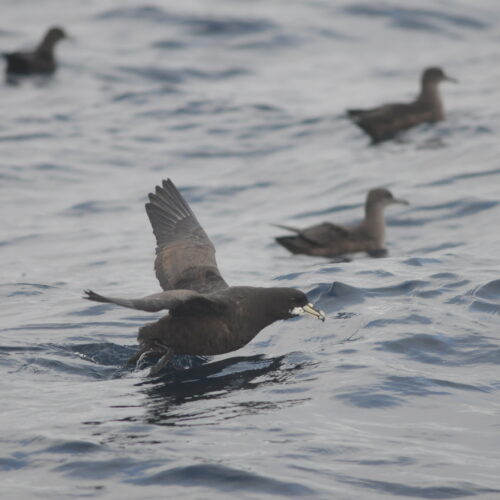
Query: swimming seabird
206, 315
39, 61
384, 122
332, 240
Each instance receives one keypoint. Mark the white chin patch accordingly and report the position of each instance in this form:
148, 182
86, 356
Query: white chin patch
297, 311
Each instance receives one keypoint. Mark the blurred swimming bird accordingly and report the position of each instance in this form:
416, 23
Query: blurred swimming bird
332, 240
206, 316
384, 122
39, 61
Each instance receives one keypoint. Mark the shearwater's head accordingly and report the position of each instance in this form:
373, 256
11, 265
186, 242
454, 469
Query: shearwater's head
286, 303
379, 198
53, 35
374, 223
435, 75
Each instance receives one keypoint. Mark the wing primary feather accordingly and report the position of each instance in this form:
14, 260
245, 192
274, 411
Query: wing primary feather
174, 194
166, 205
161, 215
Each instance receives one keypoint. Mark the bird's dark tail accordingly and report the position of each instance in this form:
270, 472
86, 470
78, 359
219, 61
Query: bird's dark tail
293, 244
287, 228
362, 119
355, 114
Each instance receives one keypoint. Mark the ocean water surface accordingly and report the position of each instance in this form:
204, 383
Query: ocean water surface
242, 103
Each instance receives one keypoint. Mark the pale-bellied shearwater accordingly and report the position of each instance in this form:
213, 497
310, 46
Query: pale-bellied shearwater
331, 240
206, 316
386, 121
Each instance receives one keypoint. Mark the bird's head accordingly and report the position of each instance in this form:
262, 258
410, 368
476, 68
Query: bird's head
288, 303
381, 197
53, 35
435, 75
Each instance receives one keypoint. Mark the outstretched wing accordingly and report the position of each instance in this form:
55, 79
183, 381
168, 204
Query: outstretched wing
172, 300
185, 256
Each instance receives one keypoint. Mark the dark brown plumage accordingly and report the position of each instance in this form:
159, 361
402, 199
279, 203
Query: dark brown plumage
386, 121
206, 316
332, 240
39, 61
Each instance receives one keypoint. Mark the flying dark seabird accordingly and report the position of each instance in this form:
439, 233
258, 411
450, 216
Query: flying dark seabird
206, 315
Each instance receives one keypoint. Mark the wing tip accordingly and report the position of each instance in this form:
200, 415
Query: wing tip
168, 183
168, 190
167, 199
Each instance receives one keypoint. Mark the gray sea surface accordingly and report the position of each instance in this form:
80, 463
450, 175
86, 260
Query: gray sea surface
242, 103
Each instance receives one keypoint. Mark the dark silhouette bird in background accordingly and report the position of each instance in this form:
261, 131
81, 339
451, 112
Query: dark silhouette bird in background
206, 316
332, 240
39, 61
386, 121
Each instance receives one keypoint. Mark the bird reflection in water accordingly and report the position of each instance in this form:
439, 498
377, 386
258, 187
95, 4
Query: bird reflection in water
213, 381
